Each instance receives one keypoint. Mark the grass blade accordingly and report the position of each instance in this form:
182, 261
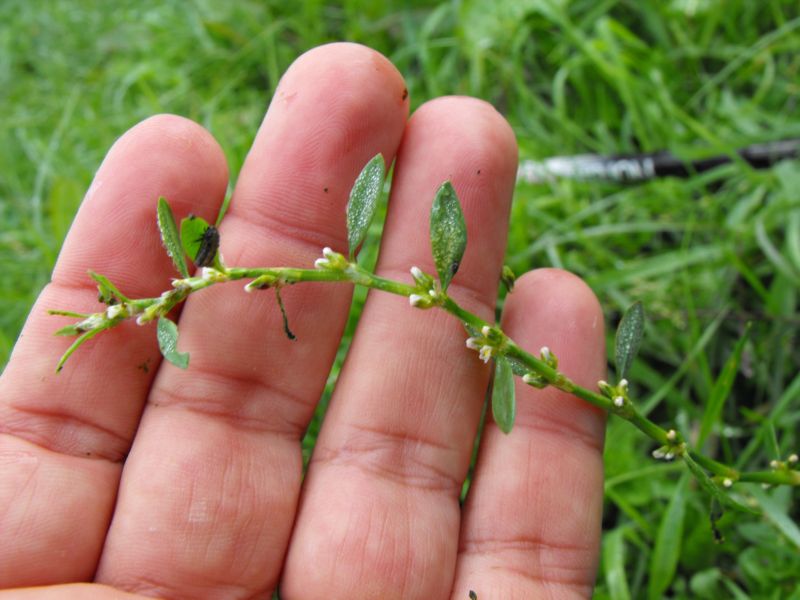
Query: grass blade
722, 389
664, 559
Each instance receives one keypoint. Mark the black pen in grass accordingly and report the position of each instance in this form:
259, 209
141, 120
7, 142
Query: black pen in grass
643, 167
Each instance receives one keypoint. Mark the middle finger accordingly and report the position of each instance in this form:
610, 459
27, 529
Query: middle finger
209, 490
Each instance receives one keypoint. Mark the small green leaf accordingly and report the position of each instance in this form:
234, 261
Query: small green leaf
448, 233
508, 278
504, 405
167, 334
170, 237
192, 230
363, 201
75, 345
721, 390
629, 338
107, 290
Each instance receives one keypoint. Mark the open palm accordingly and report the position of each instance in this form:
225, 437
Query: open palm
129, 472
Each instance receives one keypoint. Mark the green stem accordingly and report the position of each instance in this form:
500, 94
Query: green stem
349, 271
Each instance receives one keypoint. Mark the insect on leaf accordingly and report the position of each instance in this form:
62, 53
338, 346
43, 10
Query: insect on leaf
167, 334
448, 233
200, 240
363, 201
629, 338
170, 237
503, 402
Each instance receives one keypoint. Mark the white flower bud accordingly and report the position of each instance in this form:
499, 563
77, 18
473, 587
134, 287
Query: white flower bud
322, 263
658, 453
793, 458
328, 253
727, 482
415, 300
623, 383
774, 464
486, 330
672, 435
669, 456
545, 352
417, 273
619, 401
473, 343
112, 312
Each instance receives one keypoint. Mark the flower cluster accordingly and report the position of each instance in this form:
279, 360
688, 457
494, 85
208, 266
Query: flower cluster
430, 293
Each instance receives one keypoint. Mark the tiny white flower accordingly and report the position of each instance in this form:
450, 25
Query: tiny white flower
545, 352
485, 353
658, 453
417, 273
433, 293
322, 263
774, 464
765, 486
623, 383
140, 320
527, 378
672, 435
415, 300
727, 482
619, 401
328, 253
669, 455
472, 343
486, 330
602, 383
793, 458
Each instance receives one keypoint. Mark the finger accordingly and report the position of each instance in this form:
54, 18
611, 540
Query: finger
63, 437
533, 514
73, 591
209, 492
380, 513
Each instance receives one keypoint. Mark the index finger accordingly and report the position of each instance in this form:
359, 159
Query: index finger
65, 436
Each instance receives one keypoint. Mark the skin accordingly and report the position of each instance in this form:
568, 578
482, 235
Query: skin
188, 484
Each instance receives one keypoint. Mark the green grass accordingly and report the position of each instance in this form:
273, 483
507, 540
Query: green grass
706, 255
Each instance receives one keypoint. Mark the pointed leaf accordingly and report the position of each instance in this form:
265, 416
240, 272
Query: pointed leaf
448, 233
170, 237
363, 201
167, 334
503, 402
629, 338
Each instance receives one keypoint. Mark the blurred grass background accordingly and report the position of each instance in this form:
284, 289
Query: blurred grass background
706, 255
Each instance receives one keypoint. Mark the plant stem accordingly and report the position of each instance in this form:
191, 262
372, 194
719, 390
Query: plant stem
341, 270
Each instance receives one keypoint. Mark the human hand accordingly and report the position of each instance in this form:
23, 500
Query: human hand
132, 473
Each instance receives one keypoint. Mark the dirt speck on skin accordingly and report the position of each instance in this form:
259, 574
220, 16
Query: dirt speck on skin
325, 190
478, 172
405, 94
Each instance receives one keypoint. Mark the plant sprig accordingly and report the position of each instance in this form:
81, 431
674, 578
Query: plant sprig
448, 243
